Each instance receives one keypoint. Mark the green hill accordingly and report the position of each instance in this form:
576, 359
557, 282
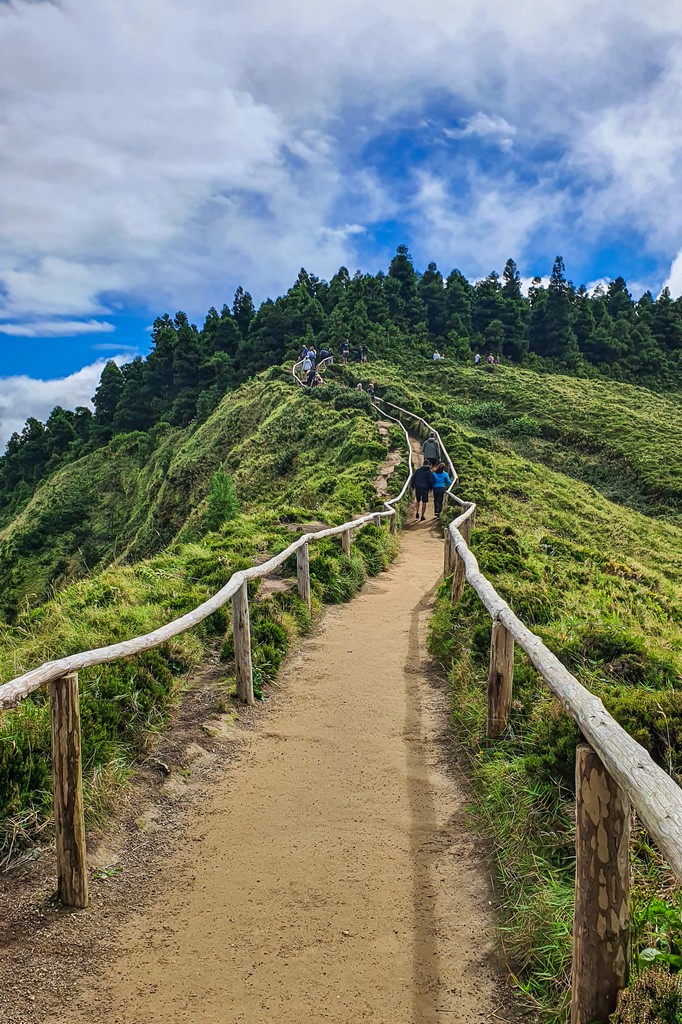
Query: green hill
579, 488
189, 511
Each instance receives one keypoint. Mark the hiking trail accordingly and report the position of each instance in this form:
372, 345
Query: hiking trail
332, 876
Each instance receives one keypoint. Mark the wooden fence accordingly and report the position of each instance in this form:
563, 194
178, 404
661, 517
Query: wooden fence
613, 774
61, 676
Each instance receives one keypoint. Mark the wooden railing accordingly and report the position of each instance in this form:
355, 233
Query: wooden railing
613, 774
61, 676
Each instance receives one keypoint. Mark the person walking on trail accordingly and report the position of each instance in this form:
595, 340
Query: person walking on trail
477, 358
304, 352
421, 483
431, 449
363, 353
442, 482
307, 364
345, 351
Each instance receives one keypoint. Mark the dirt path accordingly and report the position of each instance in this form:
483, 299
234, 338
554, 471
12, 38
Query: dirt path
332, 877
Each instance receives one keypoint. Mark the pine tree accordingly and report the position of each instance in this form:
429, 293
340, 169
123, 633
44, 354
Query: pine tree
107, 396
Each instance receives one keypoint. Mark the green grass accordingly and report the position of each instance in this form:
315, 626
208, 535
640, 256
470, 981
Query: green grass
268, 462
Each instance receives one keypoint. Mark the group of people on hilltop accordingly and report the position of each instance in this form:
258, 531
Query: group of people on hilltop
491, 359
431, 478
309, 360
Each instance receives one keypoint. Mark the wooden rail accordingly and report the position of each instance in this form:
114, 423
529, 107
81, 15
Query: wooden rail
61, 676
613, 774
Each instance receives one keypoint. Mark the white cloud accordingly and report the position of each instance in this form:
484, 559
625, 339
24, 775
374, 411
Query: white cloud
485, 126
21, 397
674, 279
163, 151
56, 328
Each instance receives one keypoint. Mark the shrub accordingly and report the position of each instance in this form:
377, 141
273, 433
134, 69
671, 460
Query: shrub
223, 504
655, 997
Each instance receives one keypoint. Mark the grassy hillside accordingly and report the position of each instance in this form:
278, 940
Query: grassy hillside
294, 458
579, 489
131, 498
600, 582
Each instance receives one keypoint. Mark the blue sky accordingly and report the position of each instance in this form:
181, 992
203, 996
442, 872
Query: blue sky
155, 157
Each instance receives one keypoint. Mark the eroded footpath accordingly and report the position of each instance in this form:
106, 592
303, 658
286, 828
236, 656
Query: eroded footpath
332, 876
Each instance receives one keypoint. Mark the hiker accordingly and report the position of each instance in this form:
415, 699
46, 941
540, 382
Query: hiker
310, 377
370, 390
477, 358
325, 354
421, 483
359, 387
307, 363
491, 359
437, 356
358, 355
431, 449
345, 351
312, 354
304, 352
442, 482
363, 353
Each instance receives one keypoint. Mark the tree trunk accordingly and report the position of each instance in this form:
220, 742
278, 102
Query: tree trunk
67, 790
601, 922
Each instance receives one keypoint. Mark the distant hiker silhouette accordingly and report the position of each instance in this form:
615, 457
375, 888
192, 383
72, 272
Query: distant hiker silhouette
431, 449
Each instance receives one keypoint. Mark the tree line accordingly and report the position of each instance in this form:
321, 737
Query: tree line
399, 315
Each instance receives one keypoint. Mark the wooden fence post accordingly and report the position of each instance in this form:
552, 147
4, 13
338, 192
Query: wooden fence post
449, 554
459, 574
345, 543
393, 522
303, 573
601, 922
67, 791
500, 680
241, 628
376, 520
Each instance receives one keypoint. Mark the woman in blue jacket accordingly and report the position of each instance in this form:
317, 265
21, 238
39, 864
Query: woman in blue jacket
442, 482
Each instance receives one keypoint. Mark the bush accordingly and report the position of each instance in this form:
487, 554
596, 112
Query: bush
223, 503
655, 997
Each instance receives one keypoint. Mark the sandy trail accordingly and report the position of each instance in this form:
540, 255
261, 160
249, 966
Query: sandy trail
332, 876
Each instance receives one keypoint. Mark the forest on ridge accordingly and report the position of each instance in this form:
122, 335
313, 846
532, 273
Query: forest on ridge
400, 315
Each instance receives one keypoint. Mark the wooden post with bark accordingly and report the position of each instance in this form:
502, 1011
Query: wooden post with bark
345, 543
241, 628
303, 573
393, 522
67, 791
376, 520
601, 922
449, 554
459, 574
500, 678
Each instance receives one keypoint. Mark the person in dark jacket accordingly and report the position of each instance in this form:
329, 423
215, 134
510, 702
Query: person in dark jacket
442, 482
431, 449
421, 483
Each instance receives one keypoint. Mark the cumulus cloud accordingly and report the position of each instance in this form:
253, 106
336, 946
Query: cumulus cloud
674, 279
162, 152
21, 397
56, 328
